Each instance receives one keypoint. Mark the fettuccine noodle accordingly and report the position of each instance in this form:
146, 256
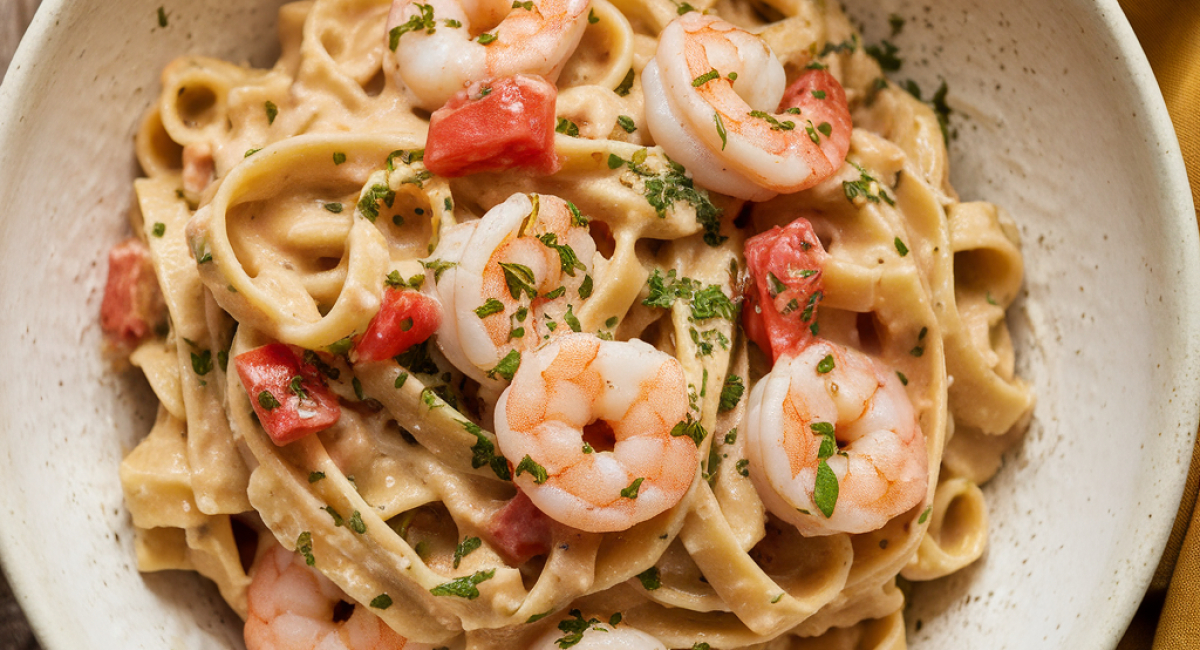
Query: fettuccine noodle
255, 209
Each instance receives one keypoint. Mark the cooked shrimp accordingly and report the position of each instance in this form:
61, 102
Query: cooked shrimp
591, 634
522, 274
295, 607
712, 92
441, 46
588, 424
874, 471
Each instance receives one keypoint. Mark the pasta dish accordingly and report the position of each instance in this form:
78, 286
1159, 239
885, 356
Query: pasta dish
570, 323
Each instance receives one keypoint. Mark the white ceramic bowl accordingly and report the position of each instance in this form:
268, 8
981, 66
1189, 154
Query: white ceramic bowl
1059, 120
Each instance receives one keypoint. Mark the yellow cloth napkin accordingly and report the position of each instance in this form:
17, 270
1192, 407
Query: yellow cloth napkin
1169, 31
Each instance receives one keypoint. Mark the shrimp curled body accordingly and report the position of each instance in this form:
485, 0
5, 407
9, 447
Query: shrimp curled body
522, 273
441, 47
295, 607
716, 102
579, 381
879, 460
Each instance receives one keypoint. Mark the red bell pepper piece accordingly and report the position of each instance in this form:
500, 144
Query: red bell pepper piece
493, 126
786, 266
406, 318
289, 396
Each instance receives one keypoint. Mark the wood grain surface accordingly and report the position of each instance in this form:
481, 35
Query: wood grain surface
14, 629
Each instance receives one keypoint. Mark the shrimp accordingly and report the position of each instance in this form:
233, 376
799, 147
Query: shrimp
592, 426
441, 47
522, 272
711, 95
833, 442
295, 607
591, 634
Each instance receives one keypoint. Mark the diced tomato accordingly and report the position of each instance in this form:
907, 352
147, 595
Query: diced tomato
520, 531
786, 267
133, 305
405, 319
493, 126
289, 396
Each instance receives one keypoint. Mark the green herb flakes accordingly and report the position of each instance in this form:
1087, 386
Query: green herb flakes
492, 306
626, 123
382, 601
631, 492
202, 363
507, 367
338, 157
304, 547
268, 401
529, 465
465, 548
925, 515
650, 579
825, 365
626, 84
464, 587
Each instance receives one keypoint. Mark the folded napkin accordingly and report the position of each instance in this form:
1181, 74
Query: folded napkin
1169, 31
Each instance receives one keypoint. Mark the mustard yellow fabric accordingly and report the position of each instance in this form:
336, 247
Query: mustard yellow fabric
1169, 31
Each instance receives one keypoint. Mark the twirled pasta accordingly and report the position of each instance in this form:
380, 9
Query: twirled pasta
280, 233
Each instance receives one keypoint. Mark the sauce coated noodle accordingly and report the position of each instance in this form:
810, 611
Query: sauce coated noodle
288, 220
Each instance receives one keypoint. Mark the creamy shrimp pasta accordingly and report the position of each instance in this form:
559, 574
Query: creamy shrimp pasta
555, 323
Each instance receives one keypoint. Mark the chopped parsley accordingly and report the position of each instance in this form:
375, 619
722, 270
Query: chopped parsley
368, 205
268, 401
574, 627
507, 367
626, 84
866, 188
925, 515
705, 78
335, 208
465, 548
272, 111
160, 229
731, 393
438, 267
304, 547
592, 17
901, 248
202, 363
483, 452
567, 127
885, 54
382, 601
492, 306
419, 22
338, 157
825, 365
626, 123
743, 467
519, 279
568, 260
313, 477
650, 579
571, 320
776, 125
721, 129
162, 17
691, 428
631, 492
531, 466
486, 38
464, 587
903, 379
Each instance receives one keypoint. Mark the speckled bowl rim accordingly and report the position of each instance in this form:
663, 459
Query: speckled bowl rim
1176, 204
